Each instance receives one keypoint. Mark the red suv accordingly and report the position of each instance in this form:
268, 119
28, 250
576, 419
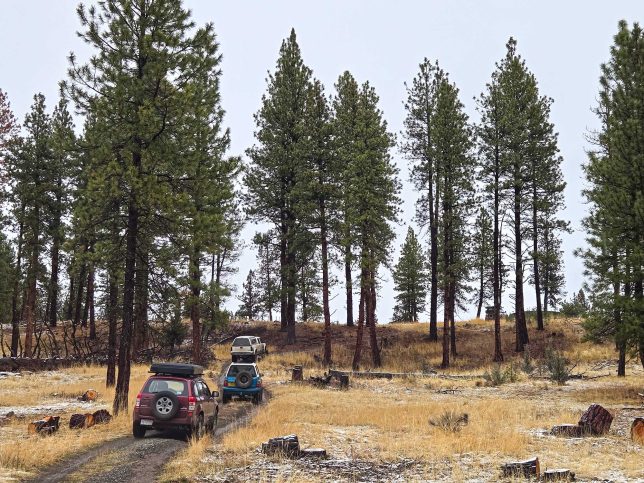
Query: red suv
175, 397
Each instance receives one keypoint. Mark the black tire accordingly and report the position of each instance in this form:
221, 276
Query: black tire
199, 430
225, 398
165, 405
244, 380
214, 422
138, 431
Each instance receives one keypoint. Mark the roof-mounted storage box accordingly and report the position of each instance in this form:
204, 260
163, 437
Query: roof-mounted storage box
176, 369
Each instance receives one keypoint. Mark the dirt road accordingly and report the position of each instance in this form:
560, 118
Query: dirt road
134, 460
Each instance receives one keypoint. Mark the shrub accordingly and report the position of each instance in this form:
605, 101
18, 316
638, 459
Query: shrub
558, 367
498, 376
527, 365
450, 421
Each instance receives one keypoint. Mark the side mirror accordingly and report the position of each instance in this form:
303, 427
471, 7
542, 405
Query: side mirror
215, 394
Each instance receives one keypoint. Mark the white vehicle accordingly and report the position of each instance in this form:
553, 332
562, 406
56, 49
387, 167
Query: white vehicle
247, 348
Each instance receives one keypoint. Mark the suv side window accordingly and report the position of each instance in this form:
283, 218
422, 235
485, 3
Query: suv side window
205, 389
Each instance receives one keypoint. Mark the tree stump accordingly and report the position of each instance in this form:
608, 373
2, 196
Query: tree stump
286, 445
89, 396
102, 417
344, 381
558, 475
44, 426
313, 453
298, 374
527, 468
569, 430
596, 420
77, 421
637, 430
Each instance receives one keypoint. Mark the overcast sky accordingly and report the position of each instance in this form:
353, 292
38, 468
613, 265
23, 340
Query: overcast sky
563, 42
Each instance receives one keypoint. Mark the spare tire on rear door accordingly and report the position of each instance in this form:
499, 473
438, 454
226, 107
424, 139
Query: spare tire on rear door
165, 405
244, 380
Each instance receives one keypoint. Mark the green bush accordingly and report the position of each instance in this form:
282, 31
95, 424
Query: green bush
558, 367
498, 376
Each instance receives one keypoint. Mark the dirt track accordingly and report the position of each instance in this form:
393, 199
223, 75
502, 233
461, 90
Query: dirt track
134, 460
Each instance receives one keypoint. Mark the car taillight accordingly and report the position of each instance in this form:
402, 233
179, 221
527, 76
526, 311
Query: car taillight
259, 383
226, 382
138, 399
192, 403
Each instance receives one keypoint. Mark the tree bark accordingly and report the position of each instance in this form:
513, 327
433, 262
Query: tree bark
371, 317
112, 307
283, 277
90, 303
357, 354
125, 348
52, 303
15, 318
535, 257
433, 260
195, 289
32, 280
325, 284
498, 353
480, 302
520, 322
69, 310
452, 321
348, 281
139, 341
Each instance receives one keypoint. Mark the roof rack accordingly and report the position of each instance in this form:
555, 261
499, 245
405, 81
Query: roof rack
176, 369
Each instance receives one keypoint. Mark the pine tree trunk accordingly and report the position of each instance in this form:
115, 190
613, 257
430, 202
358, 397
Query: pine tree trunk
617, 315
433, 300
357, 354
125, 348
139, 341
32, 280
82, 280
69, 310
195, 289
291, 286
283, 278
535, 258
452, 312
305, 297
52, 303
447, 292
325, 285
90, 303
446, 336
371, 317
498, 353
480, 303
521, 327
15, 319
348, 281
112, 307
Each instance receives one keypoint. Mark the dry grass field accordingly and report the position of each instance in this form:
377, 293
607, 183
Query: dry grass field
378, 429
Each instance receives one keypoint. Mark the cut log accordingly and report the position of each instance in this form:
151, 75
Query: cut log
527, 468
558, 475
286, 445
637, 430
44, 426
313, 453
77, 421
102, 416
320, 381
89, 396
298, 373
568, 430
596, 420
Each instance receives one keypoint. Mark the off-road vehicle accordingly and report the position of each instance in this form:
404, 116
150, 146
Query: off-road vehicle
243, 380
175, 397
247, 348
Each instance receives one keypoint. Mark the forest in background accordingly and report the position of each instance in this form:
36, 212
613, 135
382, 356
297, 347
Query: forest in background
134, 215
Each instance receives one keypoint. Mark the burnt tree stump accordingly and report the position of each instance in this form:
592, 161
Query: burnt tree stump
44, 426
596, 420
637, 430
344, 381
286, 445
527, 468
298, 373
569, 430
102, 416
558, 475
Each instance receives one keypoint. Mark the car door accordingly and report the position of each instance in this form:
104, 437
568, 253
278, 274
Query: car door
207, 401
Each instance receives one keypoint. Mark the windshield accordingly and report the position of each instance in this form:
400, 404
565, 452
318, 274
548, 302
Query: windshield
180, 388
241, 341
237, 368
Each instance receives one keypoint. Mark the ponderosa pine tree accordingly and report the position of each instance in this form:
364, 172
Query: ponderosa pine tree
145, 54
272, 175
419, 147
346, 145
411, 279
551, 262
483, 258
7, 274
453, 143
372, 190
268, 271
250, 299
614, 258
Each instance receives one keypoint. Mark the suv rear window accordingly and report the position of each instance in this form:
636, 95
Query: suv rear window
180, 388
241, 341
236, 369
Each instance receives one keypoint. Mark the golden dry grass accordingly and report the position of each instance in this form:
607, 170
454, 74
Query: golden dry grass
20, 452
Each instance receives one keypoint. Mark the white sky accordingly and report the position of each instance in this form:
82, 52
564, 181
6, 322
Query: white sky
563, 42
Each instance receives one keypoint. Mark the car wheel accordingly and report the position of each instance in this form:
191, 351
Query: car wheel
225, 399
165, 405
137, 430
214, 422
199, 430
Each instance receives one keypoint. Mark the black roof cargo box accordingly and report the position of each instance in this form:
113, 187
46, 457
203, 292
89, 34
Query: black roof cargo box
176, 369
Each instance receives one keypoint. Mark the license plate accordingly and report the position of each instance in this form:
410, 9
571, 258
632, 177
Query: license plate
146, 422
231, 384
